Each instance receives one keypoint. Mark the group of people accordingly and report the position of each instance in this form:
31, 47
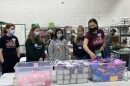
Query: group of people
84, 46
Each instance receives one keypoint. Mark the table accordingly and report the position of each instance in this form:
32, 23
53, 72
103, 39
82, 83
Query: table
7, 80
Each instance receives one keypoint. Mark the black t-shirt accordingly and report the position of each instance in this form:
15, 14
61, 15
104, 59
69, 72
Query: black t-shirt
78, 49
9, 45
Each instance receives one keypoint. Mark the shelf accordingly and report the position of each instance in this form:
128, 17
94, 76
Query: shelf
116, 36
120, 26
124, 35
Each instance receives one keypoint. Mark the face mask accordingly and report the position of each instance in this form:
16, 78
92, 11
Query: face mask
36, 33
12, 32
59, 35
92, 29
112, 34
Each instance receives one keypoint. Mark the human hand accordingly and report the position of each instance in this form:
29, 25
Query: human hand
102, 48
40, 59
93, 56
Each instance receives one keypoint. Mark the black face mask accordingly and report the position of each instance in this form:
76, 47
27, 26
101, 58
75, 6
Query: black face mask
93, 29
112, 34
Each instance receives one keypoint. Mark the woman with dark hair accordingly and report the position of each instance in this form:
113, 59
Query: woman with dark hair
94, 40
58, 48
78, 50
35, 48
9, 49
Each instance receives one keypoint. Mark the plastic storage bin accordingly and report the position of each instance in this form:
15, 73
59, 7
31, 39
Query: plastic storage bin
33, 73
107, 72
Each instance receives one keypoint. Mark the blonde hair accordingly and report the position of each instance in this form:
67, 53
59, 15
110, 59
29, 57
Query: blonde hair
32, 37
76, 38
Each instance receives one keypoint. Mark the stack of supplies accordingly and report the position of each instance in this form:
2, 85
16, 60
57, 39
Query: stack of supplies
71, 72
107, 70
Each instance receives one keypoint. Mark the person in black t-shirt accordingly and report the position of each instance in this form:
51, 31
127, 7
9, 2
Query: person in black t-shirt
78, 50
9, 49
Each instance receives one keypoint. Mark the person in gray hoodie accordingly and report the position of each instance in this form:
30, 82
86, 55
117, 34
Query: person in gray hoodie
58, 48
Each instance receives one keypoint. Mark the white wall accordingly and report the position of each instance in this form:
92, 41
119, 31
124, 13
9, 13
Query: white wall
72, 12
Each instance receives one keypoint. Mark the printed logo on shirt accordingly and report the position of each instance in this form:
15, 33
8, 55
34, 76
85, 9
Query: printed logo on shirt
38, 46
98, 40
11, 43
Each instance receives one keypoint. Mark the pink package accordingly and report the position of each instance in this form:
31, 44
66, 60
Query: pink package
37, 78
117, 61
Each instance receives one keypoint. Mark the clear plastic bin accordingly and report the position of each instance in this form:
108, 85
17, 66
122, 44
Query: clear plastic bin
33, 73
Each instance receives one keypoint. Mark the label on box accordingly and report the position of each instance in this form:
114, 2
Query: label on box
113, 78
35, 64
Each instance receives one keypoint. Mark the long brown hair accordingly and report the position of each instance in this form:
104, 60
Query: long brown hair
32, 37
4, 31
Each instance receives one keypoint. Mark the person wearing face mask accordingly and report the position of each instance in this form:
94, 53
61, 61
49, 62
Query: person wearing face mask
9, 49
78, 50
108, 38
94, 40
58, 48
35, 48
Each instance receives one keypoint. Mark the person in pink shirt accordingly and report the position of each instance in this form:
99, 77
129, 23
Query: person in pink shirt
94, 40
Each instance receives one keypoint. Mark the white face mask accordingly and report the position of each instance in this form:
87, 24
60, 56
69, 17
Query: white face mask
12, 32
36, 33
59, 35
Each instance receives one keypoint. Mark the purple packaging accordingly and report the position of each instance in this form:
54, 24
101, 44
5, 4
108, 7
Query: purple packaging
80, 70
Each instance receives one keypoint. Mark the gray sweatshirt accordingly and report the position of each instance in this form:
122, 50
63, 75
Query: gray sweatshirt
58, 50
108, 40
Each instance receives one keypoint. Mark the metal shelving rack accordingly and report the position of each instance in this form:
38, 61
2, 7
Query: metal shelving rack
125, 34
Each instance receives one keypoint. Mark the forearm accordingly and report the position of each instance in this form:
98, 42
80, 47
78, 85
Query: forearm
1, 58
87, 50
18, 52
103, 45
